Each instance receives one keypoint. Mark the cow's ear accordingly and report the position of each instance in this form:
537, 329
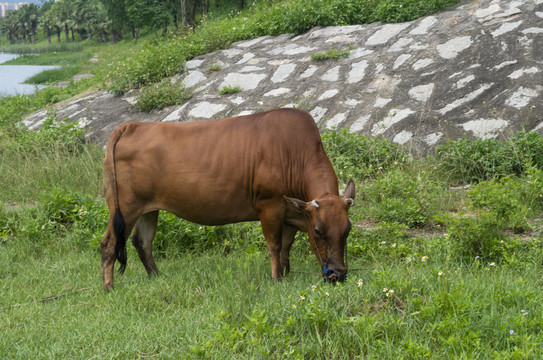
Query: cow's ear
349, 194
296, 204
350, 191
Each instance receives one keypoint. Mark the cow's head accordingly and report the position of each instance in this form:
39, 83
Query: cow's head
328, 227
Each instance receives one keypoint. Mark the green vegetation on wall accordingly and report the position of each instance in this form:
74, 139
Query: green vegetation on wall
287, 16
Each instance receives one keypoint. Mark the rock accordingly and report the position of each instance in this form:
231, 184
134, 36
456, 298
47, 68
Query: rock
472, 70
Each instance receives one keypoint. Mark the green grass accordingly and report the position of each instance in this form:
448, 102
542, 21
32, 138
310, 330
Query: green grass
226, 306
70, 63
27, 174
53, 76
42, 47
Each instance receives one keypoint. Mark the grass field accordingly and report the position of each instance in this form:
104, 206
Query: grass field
216, 305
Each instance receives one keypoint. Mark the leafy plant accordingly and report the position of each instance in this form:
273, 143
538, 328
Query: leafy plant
214, 67
512, 199
150, 65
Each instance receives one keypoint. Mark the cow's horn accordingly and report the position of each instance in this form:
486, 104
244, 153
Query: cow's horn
315, 204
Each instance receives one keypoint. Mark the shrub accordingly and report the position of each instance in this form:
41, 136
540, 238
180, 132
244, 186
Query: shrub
355, 156
476, 235
400, 10
399, 197
72, 209
162, 94
52, 133
512, 199
150, 65
465, 160
57, 213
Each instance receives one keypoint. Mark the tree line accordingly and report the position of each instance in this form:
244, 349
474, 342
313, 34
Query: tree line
106, 20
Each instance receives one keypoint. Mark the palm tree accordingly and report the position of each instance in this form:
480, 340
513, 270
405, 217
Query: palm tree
2, 29
11, 24
64, 9
97, 16
33, 12
47, 21
23, 17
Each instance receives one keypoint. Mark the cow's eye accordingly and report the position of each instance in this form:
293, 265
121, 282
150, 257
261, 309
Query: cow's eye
317, 232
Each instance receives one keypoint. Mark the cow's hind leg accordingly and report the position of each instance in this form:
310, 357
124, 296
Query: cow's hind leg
107, 246
142, 239
289, 232
113, 248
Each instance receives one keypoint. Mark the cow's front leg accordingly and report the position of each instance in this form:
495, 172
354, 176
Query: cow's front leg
273, 242
272, 227
289, 232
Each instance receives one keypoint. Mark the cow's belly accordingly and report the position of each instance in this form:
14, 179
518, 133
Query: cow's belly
215, 219
204, 204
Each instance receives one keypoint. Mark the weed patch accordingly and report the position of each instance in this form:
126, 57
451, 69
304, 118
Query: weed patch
230, 90
331, 54
162, 94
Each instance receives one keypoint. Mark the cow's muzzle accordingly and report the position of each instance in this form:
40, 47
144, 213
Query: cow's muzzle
336, 275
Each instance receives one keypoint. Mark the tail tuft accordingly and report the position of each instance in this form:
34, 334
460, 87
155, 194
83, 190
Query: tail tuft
119, 227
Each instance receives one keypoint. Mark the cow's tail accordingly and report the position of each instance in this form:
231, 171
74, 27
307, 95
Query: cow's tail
119, 224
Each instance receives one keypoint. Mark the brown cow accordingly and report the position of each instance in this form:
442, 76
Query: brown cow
269, 166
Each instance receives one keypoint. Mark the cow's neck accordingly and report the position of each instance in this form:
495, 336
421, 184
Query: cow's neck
320, 183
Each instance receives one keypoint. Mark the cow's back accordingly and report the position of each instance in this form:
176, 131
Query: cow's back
214, 172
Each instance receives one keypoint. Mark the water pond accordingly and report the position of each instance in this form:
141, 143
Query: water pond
13, 76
